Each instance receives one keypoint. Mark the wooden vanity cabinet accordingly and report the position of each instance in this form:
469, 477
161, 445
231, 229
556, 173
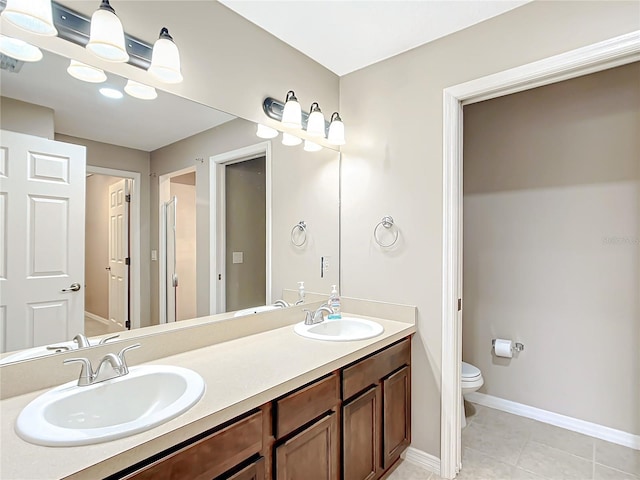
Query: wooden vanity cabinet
376, 412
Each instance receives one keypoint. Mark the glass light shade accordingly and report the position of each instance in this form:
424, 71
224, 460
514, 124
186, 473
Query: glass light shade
111, 93
290, 140
34, 16
19, 49
292, 113
86, 73
141, 91
315, 122
310, 146
165, 59
336, 130
106, 39
266, 132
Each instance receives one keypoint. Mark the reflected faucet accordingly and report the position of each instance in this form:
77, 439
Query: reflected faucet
281, 304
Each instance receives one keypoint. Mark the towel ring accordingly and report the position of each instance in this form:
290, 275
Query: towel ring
301, 226
386, 222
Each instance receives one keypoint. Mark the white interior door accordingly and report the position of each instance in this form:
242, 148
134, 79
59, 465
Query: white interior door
119, 254
42, 189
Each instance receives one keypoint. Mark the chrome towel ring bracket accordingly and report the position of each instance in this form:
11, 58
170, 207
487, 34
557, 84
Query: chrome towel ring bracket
387, 223
299, 233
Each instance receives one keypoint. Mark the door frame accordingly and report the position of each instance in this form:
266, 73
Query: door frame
217, 260
593, 58
135, 299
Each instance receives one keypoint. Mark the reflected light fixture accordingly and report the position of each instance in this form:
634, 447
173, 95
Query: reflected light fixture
86, 73
35, 16
111, 93
106, 38
290, 140
310, 146
266, 132
315, 123
336, 130
140, 90
292, 113
165, 59
19, 49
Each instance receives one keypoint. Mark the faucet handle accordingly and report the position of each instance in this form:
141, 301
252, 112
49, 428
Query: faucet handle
106, 339
308, 316
86, 373
122, 359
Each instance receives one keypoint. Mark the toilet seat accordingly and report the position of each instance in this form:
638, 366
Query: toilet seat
471, 376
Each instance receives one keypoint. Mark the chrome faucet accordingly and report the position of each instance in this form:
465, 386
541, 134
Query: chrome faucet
281, 304
111, 366
311, 318
82, 341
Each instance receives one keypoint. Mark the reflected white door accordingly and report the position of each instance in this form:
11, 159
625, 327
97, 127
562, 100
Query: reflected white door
119, 254
42, 188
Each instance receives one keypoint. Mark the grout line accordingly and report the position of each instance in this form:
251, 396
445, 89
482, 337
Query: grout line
614, 468
593, 463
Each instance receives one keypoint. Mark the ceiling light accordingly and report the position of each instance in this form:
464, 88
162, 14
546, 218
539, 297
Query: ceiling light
292, 113
310, 146
315, 123
34, 16
106, 39
19, 49
141, 91
165, 59
336, 130
111, 93
86, 73
266, 132
290, 140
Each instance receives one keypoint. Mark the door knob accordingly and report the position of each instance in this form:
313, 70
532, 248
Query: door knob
74, 287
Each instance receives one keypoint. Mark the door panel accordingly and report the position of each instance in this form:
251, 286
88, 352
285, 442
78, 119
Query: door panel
361, 437
42, 187
396, 391
118, 254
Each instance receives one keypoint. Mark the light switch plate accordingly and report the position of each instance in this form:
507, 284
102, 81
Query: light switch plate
238, 257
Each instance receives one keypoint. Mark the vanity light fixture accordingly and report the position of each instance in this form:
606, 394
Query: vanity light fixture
35, 16
86, 73
315, 122
140, 90
106, 38
290, 140
266, 132
19, 49
111, 93
310, 146
336, 130
165, 59
292, 112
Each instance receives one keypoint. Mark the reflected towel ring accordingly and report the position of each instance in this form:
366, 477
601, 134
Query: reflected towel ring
301, 226
386, 222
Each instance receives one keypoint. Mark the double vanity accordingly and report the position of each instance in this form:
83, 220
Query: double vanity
278, 399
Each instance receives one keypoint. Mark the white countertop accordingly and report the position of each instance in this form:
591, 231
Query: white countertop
240, 375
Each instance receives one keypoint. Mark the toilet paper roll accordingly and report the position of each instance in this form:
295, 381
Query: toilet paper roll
503, 348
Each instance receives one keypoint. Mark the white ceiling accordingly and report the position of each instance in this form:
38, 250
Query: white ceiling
345, 36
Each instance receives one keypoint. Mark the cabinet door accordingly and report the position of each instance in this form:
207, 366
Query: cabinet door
396, 391
361, 446
312, 454
255, 471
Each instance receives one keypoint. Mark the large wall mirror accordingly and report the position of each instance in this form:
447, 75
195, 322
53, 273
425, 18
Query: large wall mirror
180, 212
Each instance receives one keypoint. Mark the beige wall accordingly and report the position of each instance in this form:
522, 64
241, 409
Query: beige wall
185, 248
122, 158
304, 187
245, 210
551, 245
96, 278
23, 117
392, 162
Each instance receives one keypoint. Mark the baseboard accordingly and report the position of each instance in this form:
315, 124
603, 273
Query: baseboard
581, 426
422, 459
97, 318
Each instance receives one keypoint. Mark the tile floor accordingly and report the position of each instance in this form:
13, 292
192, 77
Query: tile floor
498, 445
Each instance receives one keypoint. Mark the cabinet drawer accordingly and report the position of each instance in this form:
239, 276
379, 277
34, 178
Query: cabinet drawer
370, 370
308, 403
211, 456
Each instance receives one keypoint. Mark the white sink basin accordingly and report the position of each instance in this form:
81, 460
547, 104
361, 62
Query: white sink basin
144, 398
343, 329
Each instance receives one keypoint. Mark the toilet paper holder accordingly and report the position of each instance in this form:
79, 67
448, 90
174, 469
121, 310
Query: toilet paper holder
517, 346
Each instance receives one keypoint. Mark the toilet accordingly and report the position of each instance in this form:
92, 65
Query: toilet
471, 380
